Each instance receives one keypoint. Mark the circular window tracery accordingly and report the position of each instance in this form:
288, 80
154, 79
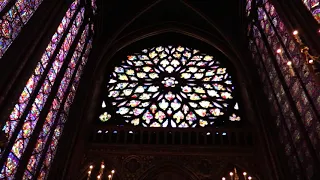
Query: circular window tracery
172, 87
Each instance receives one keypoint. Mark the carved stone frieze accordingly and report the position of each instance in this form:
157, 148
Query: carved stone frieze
145, 165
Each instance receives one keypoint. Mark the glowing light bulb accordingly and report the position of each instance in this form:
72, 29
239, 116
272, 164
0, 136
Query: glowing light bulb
89, 172
289, 63
98, 176
112, 171
91, 167
244, 173
109, 176
223, 178
249, 177
295, 32
279, 51
231, 173
102, 166
310, 61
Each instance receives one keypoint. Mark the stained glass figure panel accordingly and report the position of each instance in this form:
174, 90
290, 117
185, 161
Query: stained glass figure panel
314, 7
13, 21
3, 4
172, 87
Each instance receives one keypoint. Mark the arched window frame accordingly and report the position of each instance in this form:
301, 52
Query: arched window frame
107, 106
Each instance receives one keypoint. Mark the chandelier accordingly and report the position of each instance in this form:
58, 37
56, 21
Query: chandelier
234, 176
100, 174
311, 61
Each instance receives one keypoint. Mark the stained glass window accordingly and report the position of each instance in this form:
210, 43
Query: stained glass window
54, 69
42, 139
12, 21
286, 121
314, 7
33, 116
279, 37
3, 4
172, 87
271, 27
49, 154
32, 83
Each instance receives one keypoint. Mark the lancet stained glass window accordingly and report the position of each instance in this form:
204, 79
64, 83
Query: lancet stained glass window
12, 21
271, 26
314, 7
57, 131
172, 87
279, 37
53, 113
55, 69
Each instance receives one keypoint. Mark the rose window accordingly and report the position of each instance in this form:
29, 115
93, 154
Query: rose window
171, 87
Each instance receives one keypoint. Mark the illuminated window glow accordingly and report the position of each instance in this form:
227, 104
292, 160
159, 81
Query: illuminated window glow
172, 87
61, 67
314, 7
12, 22
269, 35
3, 4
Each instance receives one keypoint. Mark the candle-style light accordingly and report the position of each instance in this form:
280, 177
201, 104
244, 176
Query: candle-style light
112, 172
231, 175
89, 172
289, 63
100, 173
102, 166
245, 175
235, 176
312, 62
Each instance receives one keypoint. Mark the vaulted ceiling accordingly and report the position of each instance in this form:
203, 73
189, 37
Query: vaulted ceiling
219, 17
218, 23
